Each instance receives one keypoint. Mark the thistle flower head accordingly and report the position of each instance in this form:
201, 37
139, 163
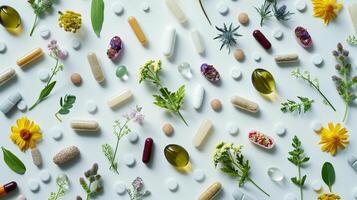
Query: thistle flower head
227, 36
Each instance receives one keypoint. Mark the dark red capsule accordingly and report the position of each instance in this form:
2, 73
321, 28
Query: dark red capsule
260, 37
147, 150
8, 187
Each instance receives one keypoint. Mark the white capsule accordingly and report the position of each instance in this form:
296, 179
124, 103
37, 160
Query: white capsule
176, 11
6, 75
117, 8
133, 137
120, 99
197, 41
172, 184
33, 185
45, 176
202, 133
198, 96
22, 106
129, 160
352, 10
8, 103
84, 125
120, 188
198, 175
317, 59
169, 41
43, 75
2, 47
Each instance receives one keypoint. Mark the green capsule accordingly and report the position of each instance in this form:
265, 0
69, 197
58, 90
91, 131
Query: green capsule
121, 71
176, 155
263, 81
9, 18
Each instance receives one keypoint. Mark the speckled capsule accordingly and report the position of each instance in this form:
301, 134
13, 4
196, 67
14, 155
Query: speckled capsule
147, 150
260, 37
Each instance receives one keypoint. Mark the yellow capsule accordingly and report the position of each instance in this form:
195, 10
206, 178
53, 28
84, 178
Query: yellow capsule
263, 81
137, 30
10, 18
176, 155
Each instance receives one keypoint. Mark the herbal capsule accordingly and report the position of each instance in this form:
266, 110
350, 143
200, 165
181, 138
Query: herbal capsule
169, 41
176, 10
9, 18
286, 58
352, 9
95, 67
36, 157
120, 99
137, 30
6, 75
147, 150
84, 125
212, 191
30, 57
202, 133
176, 155
8, 187
65, 155
263, 81
244, 104
260, 37
197, 41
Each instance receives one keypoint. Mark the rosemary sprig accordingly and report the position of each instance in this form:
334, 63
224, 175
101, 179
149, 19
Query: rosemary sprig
292, 106
264, 11
66, 104
63, 185
313, 82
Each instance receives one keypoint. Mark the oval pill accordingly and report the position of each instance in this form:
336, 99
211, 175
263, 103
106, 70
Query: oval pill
6, 75
213, 190
137, 30
263, 41
197, 41
202, 133
147, 150
169, 41
65, 155
29, 57
198, 96
95, 67
84, 125
176, 11
120, 99
36, 157
244, 104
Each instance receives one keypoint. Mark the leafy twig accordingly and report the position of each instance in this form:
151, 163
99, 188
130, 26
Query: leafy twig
39, 7
352, 40
63, 185
312, 82
292, 106
66, 104
94, 186
298, 158
264, 11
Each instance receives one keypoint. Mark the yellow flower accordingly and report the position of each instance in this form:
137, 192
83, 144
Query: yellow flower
70, 21
25, 134
329, 196
333, 138
326, 9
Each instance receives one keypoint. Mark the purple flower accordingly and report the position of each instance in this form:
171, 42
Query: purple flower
55, 51
138, 184
136, 115
52, 46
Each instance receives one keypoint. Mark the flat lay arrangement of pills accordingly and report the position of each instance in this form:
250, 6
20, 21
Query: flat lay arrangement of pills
178, 100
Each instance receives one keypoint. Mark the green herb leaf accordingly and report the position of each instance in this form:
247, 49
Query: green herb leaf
292, 106
13, 162
97, 16
47, 90
328, 175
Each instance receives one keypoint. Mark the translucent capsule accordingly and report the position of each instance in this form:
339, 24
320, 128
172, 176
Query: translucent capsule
185, 70
275, 174
10, 18
263, 81
176, 155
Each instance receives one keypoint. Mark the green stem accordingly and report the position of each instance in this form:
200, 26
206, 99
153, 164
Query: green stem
346, 111
328, 102
183, 119
56, 115
250, 180
117, 145
301, 191
34, 25
204, 12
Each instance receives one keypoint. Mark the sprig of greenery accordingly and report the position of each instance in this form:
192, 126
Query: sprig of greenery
167, 99
94, 186
264, 11
269, 7
292, 106
39, 7
233, 163
298, 158
281, 13
313, 82
352, 40
66, 104
63, 185
343, 81
204, 11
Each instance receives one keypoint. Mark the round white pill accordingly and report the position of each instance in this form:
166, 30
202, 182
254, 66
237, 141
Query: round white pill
317, 59
237, 194
22, 106
45, 32
235, 73
45, 176
129, 160
117, 8
145, 6
56, 133
76, 44
300, 5
222, 8
21, 197
172, 184
33, 185
43, 75
2, 47
198, 175
278, 34
91, 107
232, 128
290, 196
316, 126
133, 137
316, 185
355, 193
256, 56
120, 187
279, 129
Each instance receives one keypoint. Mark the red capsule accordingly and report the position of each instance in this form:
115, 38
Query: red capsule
260, 37
147, 150
7, 188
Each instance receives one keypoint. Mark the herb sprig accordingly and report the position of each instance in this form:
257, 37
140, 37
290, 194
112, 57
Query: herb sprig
63, 185
94, 186
66, 104
39, 7
313, 82
293, 106
264, 11
298, 158
233, 163
270, 8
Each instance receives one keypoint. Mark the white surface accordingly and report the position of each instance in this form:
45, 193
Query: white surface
153, 24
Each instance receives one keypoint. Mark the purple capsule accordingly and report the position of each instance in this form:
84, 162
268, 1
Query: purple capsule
303, 37
210, 73
260, 37
115, 48
147, 150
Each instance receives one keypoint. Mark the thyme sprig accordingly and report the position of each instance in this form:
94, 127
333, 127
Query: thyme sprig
63, 185
293, 106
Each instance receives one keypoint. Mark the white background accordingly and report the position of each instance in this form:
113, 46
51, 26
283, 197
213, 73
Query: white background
154, 23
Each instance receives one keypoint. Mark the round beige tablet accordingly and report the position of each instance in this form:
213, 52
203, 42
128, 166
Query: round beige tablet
216, 104
243, 18
76, 79
239, 55
167, 129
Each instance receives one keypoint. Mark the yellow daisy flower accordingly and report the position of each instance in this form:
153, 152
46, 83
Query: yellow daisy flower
326, 9
25, 134
329, 196
333, 138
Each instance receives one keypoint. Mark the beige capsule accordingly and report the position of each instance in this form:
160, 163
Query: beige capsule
286, 58
30, 57
36, 157
95, 67
6, 75
212, 191
202, 133
244, 104
120, 99
65, 155
84, 125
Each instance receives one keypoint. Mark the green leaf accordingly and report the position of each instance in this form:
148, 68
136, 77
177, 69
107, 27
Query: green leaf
13, 162
328, 174
97, 16
66, 104
47, 90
